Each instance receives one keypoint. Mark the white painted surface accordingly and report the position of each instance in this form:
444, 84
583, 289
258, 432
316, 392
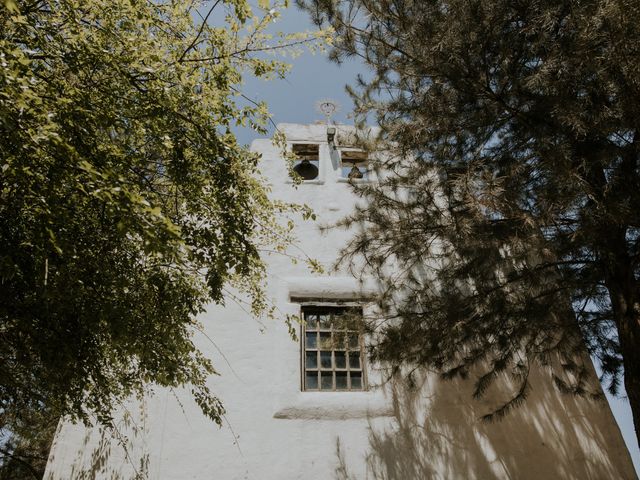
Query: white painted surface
273, 430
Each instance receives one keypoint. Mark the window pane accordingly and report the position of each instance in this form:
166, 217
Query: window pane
341, 380
324, 320
312, 321
325, 359
341, 360
339, 340
356, 380
325, 340
354, 344
311, 381
311, 340
354, 360
327, 381
350, 320
312, 360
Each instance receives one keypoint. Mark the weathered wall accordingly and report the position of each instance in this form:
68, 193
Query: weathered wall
274, 431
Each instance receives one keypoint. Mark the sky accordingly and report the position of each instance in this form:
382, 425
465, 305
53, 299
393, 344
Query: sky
314, 78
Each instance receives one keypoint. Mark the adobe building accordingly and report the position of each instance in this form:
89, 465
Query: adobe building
314, 409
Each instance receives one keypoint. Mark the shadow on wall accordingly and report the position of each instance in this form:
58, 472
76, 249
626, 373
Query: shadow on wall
106, 455
438, 434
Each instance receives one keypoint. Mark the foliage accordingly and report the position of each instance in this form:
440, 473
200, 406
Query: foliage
126, 202
508, 209
25, 442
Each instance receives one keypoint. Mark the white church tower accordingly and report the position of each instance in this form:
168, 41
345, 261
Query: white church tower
314, 409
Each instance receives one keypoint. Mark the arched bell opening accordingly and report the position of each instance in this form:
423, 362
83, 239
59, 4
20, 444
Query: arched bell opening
308, 164
354, 163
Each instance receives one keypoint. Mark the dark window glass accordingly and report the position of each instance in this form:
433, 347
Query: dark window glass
327, 380
311, 381
311, 340
311, 359
341, 381
341, 360
325, 359
354, 360
356, 380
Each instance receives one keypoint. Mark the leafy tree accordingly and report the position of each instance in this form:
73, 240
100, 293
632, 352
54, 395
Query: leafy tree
508, 211
25, 442
126, 203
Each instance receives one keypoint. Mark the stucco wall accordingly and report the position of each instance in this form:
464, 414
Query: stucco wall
274, 431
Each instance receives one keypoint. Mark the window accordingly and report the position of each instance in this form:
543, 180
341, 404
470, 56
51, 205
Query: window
354, 164
308, 163
332, 350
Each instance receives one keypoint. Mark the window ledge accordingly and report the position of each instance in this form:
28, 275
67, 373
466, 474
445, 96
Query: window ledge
331, 288
355, 180
307, 182
336, 406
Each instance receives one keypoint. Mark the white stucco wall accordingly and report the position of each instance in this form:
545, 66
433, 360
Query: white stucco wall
273, 430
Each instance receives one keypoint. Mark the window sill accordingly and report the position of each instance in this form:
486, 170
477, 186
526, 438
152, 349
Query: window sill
306, 182
356, 181
336, 406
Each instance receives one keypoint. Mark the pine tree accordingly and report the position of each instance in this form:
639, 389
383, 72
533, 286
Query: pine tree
510, 202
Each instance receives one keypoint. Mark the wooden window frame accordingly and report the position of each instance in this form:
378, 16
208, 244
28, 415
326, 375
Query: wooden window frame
331, 310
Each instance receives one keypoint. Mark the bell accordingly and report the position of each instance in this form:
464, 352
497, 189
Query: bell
306, 170
355, 173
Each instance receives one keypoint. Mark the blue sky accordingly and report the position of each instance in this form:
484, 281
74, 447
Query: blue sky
313, 77
293, 100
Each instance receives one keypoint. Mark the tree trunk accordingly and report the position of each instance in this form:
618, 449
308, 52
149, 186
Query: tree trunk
619, 276
622, 288
629, 336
